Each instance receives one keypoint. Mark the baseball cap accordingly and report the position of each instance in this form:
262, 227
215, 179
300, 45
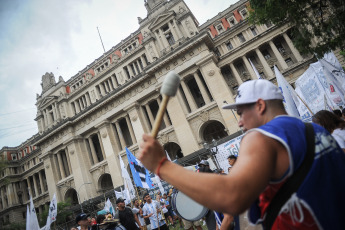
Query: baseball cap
251, 91
81, 216
120, 200
204, 162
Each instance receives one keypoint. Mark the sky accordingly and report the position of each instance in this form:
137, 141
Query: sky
60, 36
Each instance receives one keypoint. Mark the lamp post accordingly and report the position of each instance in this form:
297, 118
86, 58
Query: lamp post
213, 149
77, 191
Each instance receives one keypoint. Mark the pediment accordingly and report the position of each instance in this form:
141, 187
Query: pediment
161, 19
47, 101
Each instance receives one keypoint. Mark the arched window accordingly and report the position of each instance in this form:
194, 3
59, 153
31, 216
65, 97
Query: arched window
213, 130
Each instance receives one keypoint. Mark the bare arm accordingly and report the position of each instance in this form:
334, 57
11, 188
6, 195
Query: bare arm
137, 220
226, 222
230, 194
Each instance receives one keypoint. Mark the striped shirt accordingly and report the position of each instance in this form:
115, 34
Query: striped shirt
152, 208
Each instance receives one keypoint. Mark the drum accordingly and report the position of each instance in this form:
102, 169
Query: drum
186, 208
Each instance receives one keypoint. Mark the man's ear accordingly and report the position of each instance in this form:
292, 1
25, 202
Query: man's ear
261, 106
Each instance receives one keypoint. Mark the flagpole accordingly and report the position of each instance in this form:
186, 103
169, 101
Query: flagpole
305, 104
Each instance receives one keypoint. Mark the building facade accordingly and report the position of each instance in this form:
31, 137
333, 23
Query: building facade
86, 122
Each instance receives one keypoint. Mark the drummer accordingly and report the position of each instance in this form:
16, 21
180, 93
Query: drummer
271, 151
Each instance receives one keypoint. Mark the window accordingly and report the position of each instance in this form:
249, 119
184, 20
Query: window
289, 62
220, 29
244, 13
229, 45
280, 48
241, 37
216, 50
232, 21
170, 38
268, 24
266, 54
253, 29
165, 28
14, 156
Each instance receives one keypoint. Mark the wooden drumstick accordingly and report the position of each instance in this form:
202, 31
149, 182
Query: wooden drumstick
169, 89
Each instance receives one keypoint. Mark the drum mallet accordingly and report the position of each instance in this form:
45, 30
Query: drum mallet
169, 89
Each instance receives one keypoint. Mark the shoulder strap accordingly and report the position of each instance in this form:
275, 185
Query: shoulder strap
292, 183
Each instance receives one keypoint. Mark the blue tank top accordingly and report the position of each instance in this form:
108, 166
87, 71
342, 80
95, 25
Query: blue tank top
321, 197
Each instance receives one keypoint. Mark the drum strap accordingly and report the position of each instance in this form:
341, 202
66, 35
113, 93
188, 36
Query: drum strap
292, 184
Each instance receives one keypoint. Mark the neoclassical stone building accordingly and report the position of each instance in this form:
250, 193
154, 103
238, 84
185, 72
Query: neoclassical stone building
86, 122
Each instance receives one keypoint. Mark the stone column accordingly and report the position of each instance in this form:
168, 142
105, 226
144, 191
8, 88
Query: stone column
202, 88
236, 75
88, 99
35, 185
113, 78
173, 32
182, 101
278, 55
149, 113
106, 87
143, 61
101, 87
15, 194
159, 40
131, 74
131, 132
100, 143
264, 63
295, 52
62, 170
29, 187
77, 106
180, 35
249, 68
111, 87
68, 161
163, 39
138, 120
189, 96
138, 64
165, 116
41, 181
93, 151
122, 140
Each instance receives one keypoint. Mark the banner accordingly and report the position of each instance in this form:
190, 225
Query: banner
226, 149
108, 207
140, 174
157, 181
255, 70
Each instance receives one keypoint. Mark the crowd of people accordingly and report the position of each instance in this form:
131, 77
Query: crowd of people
274, 151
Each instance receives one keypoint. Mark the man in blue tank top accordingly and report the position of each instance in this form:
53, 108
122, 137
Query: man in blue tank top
272, 150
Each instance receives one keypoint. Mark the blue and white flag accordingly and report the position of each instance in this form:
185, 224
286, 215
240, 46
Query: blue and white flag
33, 222
286, 88
129, 188
52, 213
108, 207
140, 174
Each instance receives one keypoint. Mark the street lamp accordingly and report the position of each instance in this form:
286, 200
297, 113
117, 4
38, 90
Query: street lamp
77, 191
213, 149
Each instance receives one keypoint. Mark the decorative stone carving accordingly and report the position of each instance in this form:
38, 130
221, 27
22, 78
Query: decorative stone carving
104, 135
164, 139
61, 79
211, 72
134, 118
71, 152
204, 116
181, 9
48, 80
189, 27
47, 166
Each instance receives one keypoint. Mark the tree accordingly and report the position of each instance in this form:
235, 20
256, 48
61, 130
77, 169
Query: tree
63, 213
322, 20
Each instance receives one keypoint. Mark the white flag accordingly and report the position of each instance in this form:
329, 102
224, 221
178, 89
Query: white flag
52, 213
27, 217
286, 88
118, 194
127, 180
108, 207
33, 222
255, 70
157, 181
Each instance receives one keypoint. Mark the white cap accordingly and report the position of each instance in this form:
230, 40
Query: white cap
251, 91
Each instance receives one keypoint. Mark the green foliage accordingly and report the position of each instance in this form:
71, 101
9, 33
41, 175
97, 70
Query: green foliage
14, 226
322, 20
63, 213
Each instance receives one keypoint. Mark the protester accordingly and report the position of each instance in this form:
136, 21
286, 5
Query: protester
152, 210
333, 124
167, 214
337, 112
271, 151
84, 221
137, 211
126, 215
189, 225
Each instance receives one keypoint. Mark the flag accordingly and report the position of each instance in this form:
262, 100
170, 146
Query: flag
33, 222
167, 155
140, 174
255, 70
127, 181
336, 84
108, 207
27, 217
118, 194
158, 182
52, 213
286, 89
